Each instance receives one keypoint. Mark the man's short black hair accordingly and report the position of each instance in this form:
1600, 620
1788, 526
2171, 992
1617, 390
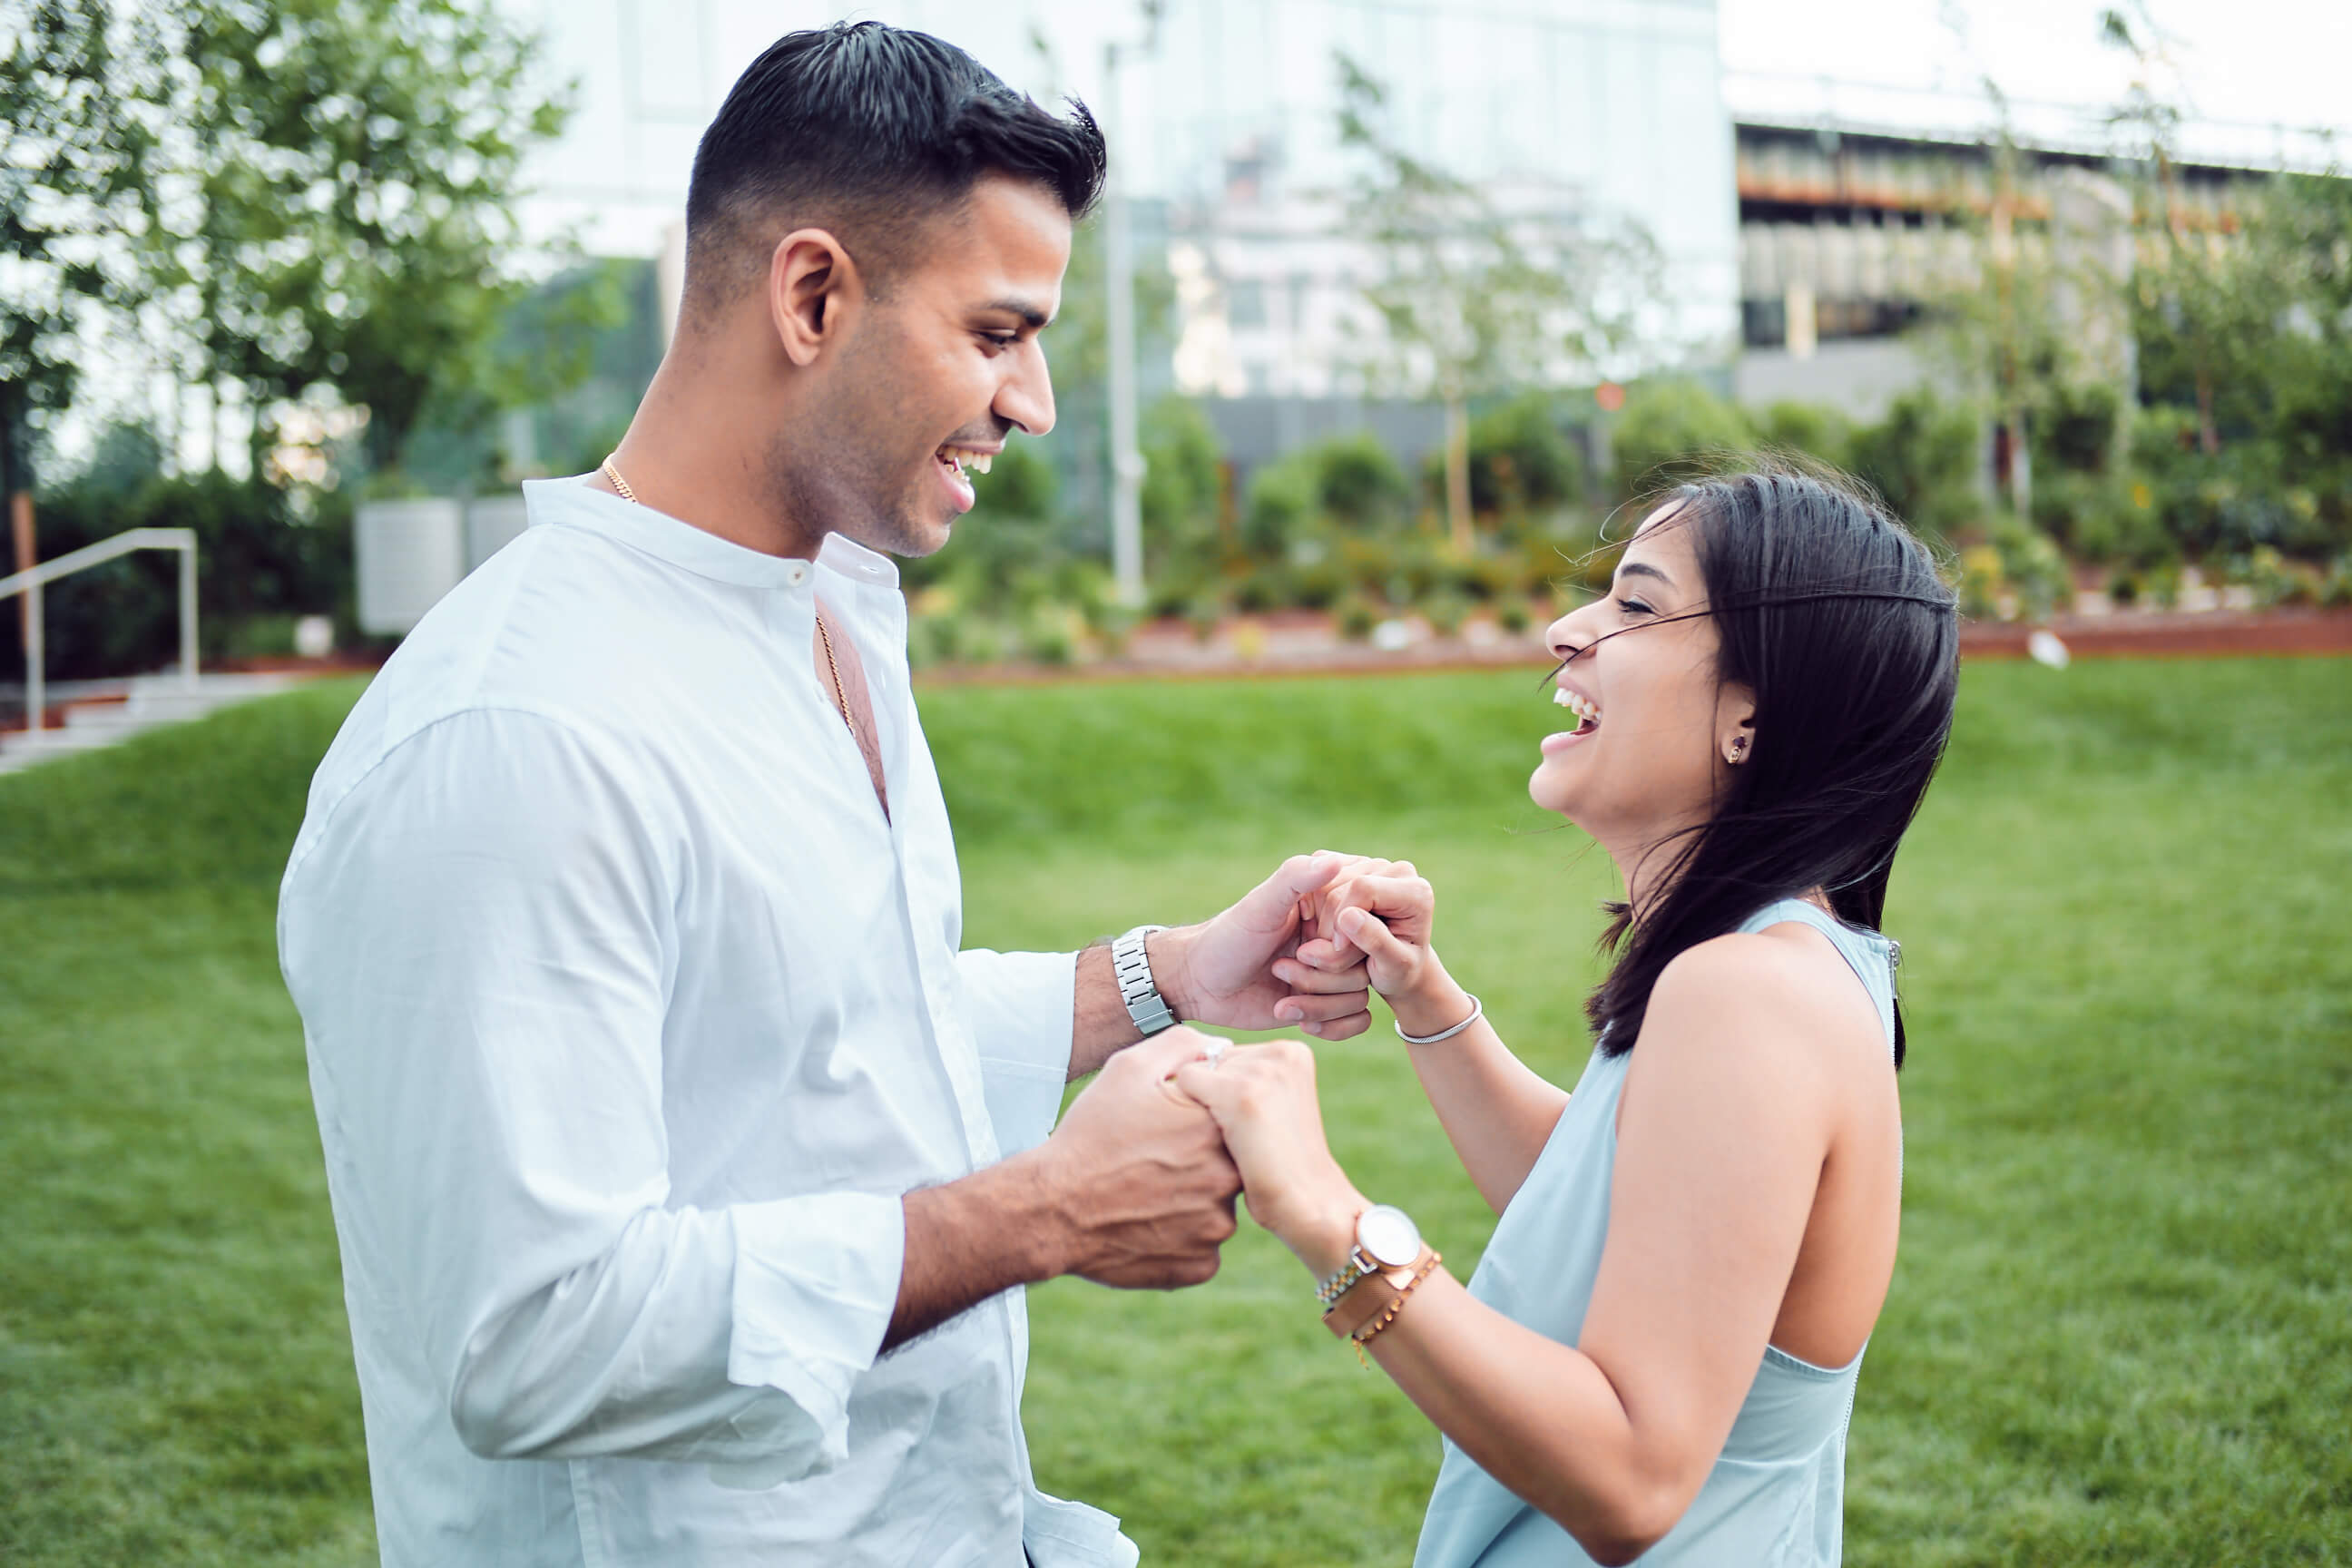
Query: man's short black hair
869, 131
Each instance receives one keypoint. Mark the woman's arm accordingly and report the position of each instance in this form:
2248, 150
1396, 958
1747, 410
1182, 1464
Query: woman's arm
1498, 1111
1723, 1133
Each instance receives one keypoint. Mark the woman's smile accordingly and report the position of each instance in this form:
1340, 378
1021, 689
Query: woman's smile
1588, 719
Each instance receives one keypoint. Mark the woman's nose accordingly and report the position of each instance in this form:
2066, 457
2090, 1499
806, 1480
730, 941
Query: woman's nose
1561, 638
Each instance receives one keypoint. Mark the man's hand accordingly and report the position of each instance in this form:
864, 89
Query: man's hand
1241, 969
1139, 1184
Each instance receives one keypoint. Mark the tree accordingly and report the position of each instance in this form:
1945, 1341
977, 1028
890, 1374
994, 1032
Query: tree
342, 203
2242, 318
73, 158
1475, 302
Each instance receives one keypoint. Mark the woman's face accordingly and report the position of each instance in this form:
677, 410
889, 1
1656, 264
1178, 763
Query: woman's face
1649, 730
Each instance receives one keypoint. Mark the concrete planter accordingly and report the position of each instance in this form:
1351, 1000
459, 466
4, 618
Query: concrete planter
407, 554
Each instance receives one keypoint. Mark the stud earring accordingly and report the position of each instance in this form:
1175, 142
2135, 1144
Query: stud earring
1738, 751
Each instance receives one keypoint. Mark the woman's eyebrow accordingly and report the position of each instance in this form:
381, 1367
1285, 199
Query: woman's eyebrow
1644, 569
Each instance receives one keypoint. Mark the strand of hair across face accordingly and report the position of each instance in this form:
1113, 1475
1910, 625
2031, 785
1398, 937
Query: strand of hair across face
1773, 603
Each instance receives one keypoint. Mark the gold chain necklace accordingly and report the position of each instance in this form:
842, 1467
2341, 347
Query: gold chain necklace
832, 665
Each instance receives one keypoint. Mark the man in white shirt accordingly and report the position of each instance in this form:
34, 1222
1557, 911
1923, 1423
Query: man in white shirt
686, 1169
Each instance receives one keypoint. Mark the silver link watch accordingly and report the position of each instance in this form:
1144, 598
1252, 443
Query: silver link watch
1132, 967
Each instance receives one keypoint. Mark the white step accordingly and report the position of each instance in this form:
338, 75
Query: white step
249, 683
154, 701
117, 718
21, 750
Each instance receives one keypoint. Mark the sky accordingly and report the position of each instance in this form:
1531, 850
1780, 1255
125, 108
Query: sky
2251, 62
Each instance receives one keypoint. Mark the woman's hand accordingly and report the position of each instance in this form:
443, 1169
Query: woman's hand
1264, 1100
1380, 914
1363, 905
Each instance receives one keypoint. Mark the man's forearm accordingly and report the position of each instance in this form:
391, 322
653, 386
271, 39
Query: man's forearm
1099, 1023
1099, 1019
975, 1238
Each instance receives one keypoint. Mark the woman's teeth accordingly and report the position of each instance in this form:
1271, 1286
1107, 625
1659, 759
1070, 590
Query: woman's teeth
1588, 713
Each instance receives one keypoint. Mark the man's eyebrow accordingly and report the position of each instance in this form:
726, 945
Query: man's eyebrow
1644, 569
1031, 316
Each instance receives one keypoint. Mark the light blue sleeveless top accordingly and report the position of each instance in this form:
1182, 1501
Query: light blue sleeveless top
1776, 1496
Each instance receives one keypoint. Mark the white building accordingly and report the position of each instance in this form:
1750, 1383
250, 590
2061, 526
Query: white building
1609, 108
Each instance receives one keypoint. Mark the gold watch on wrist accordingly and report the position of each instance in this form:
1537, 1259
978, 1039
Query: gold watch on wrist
1384, 1262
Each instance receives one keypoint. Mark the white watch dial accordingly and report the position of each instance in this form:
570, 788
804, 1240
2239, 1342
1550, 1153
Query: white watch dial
1388, 1235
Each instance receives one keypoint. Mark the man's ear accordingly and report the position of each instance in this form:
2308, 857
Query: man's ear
812, 288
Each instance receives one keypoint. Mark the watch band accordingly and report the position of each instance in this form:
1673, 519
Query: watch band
1339, 1284
1132, 966
1373, 1294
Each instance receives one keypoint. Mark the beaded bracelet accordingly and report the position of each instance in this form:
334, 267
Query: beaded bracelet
1371, 1331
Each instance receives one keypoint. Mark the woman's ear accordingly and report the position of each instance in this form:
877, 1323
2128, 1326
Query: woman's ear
812, 285
1735, 723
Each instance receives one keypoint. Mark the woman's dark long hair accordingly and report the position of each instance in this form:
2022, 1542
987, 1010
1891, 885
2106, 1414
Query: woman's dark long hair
1834, 615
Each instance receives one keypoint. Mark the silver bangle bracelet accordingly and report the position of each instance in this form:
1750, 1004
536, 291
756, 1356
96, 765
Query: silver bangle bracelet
1477, 1011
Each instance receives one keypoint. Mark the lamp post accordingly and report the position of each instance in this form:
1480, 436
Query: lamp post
1119, 264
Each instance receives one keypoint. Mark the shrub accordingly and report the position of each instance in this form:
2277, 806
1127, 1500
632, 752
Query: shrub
1922, 458
1021, 483
1114, 624
1521, 460
1810, 429
1280, 505
1446, 612
1047, 636
2076, 432
1183, 490
2099, 517
1980, 582
1356, 482
2033, 568
1671, 424
1513, 615
2336, 588
1356, 618
2277, 580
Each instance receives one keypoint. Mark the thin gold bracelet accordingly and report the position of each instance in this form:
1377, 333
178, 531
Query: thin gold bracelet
1371, 1331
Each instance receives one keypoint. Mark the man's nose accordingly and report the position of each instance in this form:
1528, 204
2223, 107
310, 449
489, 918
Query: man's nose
1026, 398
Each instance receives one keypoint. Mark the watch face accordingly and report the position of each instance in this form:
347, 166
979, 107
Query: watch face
1388, 1236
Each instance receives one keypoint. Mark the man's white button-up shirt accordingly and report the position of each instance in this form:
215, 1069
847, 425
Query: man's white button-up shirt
630, 1019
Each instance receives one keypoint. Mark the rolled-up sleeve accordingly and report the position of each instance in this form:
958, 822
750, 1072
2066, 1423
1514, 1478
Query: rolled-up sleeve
1021, 1005
479, 937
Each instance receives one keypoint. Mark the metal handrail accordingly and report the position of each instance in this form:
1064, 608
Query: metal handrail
30, 581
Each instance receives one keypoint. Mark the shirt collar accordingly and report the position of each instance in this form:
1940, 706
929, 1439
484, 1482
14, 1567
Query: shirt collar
582, 505
856, 562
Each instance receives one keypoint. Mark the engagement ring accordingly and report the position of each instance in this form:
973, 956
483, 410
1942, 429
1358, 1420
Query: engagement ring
1213, 1050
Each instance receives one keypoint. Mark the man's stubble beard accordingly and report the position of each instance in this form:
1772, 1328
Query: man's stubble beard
842, 481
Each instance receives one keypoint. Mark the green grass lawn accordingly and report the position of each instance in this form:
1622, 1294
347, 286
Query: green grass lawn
2121, 1330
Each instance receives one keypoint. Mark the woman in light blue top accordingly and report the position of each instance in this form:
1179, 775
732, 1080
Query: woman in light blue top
1656, 1357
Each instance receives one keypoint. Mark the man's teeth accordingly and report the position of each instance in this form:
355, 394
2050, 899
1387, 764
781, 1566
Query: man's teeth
1587, 712
960, 459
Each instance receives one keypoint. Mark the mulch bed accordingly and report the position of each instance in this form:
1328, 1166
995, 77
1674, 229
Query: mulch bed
1295, 644
1291, 643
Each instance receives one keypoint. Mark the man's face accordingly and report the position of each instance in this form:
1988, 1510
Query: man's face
937, 372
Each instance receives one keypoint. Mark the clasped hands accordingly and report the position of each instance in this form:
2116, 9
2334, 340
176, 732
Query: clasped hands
1154, 1153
